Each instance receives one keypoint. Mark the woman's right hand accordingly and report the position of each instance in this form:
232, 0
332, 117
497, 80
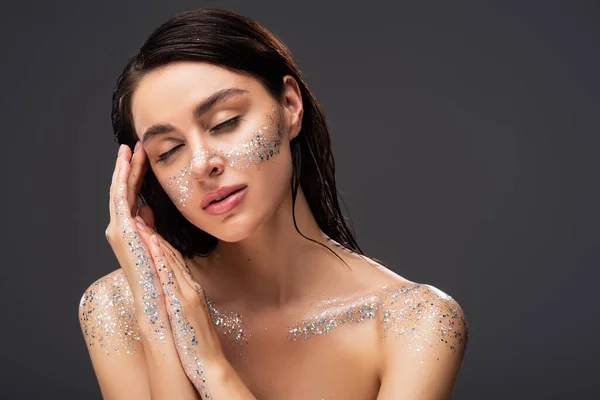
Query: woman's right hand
166, 373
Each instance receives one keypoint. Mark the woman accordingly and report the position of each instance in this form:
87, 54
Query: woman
239, 278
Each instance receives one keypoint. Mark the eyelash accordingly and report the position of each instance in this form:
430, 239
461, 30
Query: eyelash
230, 123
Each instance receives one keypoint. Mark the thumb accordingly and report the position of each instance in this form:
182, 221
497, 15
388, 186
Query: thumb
145, 212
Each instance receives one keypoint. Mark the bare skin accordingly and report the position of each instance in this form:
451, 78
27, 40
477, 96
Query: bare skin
263, 270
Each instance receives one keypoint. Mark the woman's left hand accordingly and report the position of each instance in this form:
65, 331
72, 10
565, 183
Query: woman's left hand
195, 337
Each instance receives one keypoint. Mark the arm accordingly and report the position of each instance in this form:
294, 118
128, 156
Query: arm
194, 334
110, 328
423, 351
157, 363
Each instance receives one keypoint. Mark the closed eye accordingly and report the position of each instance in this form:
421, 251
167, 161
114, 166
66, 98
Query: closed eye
230, 123
168, 154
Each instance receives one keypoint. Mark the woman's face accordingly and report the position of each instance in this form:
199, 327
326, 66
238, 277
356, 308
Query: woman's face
205, 128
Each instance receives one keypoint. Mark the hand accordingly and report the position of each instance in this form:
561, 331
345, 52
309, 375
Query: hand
165, 370
196, 340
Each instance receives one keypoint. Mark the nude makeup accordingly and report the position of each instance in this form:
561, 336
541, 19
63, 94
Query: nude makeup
263, 144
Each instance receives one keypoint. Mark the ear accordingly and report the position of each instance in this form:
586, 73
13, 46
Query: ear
291, 100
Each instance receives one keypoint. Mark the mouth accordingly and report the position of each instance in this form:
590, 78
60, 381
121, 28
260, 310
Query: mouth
221, 195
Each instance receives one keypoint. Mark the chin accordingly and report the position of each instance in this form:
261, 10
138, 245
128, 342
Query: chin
234, 229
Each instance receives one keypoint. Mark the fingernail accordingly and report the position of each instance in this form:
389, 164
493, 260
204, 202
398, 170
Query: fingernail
154, 240
137, 146
140, 223
120, 150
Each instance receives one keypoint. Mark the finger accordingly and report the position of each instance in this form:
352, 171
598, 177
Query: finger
172, 251
145, 212
136, 177
169, 281
113, 183
183, 272
187, 287
174, 257
122, 209
145, 275
184, 333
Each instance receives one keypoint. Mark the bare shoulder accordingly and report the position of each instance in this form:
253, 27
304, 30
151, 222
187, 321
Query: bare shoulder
422, 309
415, 315
421, 324
424, 335
107, 315
110, 328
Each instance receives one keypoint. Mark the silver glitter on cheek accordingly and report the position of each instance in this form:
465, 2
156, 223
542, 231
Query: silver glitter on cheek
228, 323
178, 187
108, 318
422, 313
185, 337
263, 145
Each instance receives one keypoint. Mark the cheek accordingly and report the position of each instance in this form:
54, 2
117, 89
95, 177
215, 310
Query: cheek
273, 178
259, 147
178, 187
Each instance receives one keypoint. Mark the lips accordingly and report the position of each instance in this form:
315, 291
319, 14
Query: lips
221, 193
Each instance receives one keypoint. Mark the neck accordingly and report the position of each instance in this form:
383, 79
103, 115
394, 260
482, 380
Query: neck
275, 266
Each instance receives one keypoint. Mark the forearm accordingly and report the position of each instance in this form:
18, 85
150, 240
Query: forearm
167, 379
223, 382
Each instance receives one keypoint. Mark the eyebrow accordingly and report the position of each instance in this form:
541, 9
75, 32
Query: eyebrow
201, 109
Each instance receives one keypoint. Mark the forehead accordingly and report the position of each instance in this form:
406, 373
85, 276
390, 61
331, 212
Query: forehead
170, 92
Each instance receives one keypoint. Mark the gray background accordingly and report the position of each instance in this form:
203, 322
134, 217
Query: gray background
465, 136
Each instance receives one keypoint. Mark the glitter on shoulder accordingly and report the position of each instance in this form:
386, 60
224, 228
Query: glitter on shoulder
422, 315
420, 312
107, 315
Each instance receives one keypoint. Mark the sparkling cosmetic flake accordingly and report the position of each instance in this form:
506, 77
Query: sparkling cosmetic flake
144, 269
228, 323
109, 320
184, 335
108, 317
107, 311
422, 313
263, 144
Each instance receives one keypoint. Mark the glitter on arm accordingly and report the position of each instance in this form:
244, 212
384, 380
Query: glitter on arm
424, 338
107, 316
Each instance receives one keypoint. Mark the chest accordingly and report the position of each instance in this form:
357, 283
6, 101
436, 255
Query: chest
340, 364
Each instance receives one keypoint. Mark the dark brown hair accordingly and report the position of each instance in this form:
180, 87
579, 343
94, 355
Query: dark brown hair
229, 40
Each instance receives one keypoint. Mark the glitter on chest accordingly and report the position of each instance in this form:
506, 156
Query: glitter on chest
337, 313
230, 324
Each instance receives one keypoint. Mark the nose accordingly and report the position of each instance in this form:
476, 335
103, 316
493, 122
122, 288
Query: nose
206, 163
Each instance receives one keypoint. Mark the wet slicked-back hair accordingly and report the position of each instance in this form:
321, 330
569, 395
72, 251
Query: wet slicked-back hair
240, 44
